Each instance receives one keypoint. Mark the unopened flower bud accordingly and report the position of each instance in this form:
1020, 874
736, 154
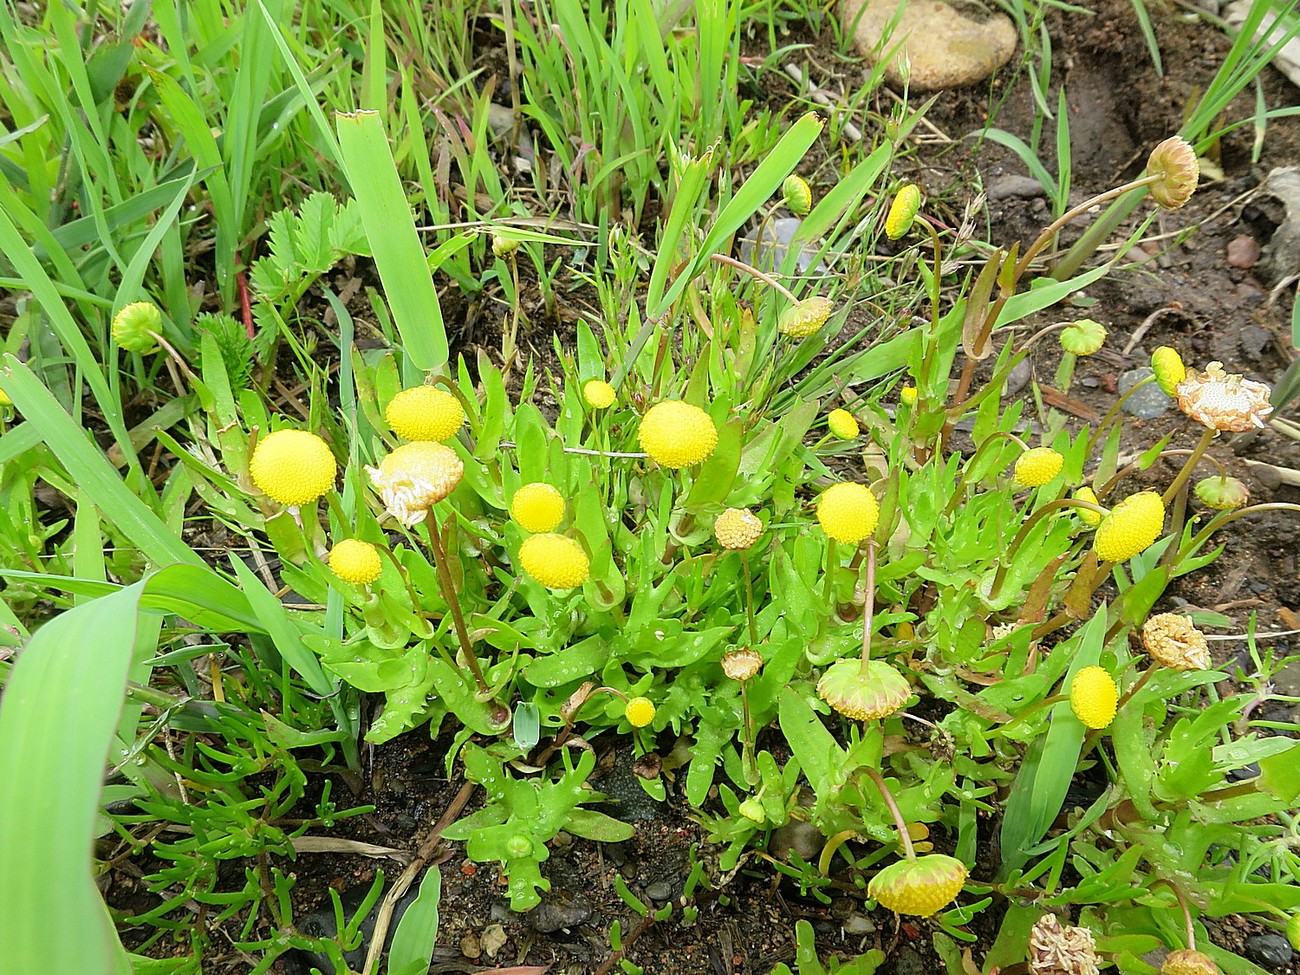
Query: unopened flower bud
1189, 961
903, 211
1168, 366
1084, 337
504, 246
805, 317
919, 887
752, 810
1221, 492
135, 326
798, 195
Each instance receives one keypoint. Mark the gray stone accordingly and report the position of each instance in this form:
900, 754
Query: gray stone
1146, 403
858, 924
559, 910
1270, 951
1281, 258
660, 890
769, 254
1014, 187
932, 46
910, 962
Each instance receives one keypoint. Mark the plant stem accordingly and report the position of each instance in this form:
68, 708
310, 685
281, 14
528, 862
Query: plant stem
958, 493
1191, 462
749, 599
754, 272
448, 586
888, 796
1226, 518
869, 607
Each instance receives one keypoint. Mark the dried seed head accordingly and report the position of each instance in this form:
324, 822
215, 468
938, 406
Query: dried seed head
737, 529
1175, 160
1189, 961
1224, 401
742, 664
1174, 642
415, 477
1056, 949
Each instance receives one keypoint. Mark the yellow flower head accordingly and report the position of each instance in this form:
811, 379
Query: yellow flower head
842, 424
1188, 961
353, 560
907, 395
1090, 518
1223, 401
556, 561
292, 467
1172, 640
1130, 528
135, 325
598, 394
425, 413
737, 528
415, 477
1168, 366
1175, 160
537, 507
1061, 949
848, 512
677, 434
1037, 466
797, 194
805, 317
1083, 337
4, 399
640, 711
877, 693
1094, 696
903, 211
919, 887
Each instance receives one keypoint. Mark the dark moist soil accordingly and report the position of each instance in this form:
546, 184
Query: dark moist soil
1186, 296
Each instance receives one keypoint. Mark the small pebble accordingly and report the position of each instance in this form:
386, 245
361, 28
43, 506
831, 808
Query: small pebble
858, 924
1243, 252
660, 890
628, 870
1270, 951
493, 939
560, 909
1146, 403
1019, 187
470, 947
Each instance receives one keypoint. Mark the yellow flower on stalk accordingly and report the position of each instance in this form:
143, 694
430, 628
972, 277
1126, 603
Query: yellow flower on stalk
537, 507
677, 434
903, 211
415, 477
797, 194
805, 317
598, 394
425, 413
292, 467
876, 693
1168, 366
135, 326
355, 561
640, 711
848, 512
842, 424
1223, 401
1089, 517
1094, 696
1175, 160
556, 561
1130, 528
1038, 465
919, 887
737, 529
907, 395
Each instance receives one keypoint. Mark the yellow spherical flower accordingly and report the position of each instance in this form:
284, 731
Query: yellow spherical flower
842, 424
903, 211
848, 512
1094, 696
1086, 515
1223, 401
556, 561
805, 317
737, 528
1131, 527
677, 434
353, 560
598, 394
797, 194
640, 711
876, 692
907, 395
135, 326
537, 507
415, 477
292, 467
919, 887
425, 413
1168, 366
1175, 161
1037, 466
1172, 640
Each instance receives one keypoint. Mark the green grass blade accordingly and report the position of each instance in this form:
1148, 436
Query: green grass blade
390, 228
413, 940
60, 711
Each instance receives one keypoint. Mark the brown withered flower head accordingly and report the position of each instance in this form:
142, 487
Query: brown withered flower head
1175, 160
1189, 961
1223, 401
1173, 641
1057, 949
742, 664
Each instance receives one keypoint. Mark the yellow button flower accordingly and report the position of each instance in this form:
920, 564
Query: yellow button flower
598, 394
1038, 465
4, 399
537, 507
353, 560
415, 477
1090, 518
797, 194
848, 512
1168, 366
677, 434
919, 887
292, 467
876, 693
1094, 696
135, 325
903, 211
737, 528
1083, 337
556, 561
1131, 527
425, 413
842, 424
805, 317
640, 711
907, 395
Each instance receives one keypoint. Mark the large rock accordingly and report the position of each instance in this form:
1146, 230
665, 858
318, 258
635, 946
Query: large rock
933, 45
